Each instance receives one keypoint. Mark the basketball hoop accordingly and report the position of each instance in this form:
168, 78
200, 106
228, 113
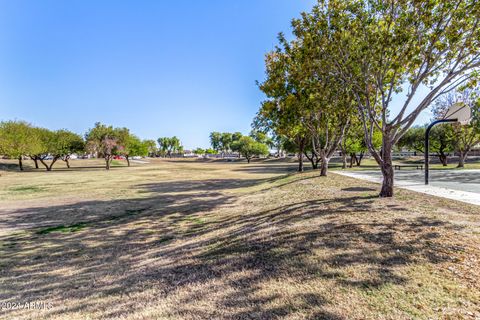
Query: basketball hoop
460, 113
457, 112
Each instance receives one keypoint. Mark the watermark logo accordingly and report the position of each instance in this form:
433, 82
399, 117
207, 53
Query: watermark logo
25, 305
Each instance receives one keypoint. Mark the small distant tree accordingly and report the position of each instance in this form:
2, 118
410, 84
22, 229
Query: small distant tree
168, 146
211, 151
215, 140
175, 145
103, 141
250, 148
151, 146
16, 140
69, 143
236, 136
440, 141
134, 147
413, 139
163, 144
41, 146
199, 151
60, 145
353, 144
226, 142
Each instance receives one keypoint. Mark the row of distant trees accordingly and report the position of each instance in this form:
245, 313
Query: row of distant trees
19, 139
334, 83
255, 145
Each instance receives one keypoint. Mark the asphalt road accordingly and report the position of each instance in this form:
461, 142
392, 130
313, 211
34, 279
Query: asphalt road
462, 180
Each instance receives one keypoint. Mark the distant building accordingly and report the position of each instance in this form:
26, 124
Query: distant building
189, 154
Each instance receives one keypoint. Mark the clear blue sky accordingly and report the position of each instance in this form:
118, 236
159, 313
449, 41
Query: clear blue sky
160, 68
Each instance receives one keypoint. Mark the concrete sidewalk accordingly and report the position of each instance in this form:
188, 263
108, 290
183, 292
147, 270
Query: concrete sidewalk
464, 188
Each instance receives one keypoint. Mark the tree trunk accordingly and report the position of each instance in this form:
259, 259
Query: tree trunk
359, 159
35, 160
107, 162
312, 160
51, 164
45, 164
248, 160
128, 160
344, 160
387, 170
353, 159
324, 167
443, 159
461, 159
20, 163
67, 161
300, 162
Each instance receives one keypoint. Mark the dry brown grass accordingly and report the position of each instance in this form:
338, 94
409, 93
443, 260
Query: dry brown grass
214, 240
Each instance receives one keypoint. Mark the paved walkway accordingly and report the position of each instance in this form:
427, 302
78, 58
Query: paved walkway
461, 185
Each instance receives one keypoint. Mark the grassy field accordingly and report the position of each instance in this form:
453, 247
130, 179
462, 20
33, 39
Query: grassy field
227, 240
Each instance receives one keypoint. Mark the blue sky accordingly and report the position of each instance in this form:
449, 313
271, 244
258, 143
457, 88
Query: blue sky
160, 68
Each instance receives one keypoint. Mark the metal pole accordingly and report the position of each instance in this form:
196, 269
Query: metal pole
427, 145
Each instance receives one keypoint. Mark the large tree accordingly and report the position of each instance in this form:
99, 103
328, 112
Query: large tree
379, 48
307, 98
283, 112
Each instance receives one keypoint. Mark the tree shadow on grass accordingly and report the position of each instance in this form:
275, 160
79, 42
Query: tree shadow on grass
269, 168
11, 167
357, 189
182, 243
